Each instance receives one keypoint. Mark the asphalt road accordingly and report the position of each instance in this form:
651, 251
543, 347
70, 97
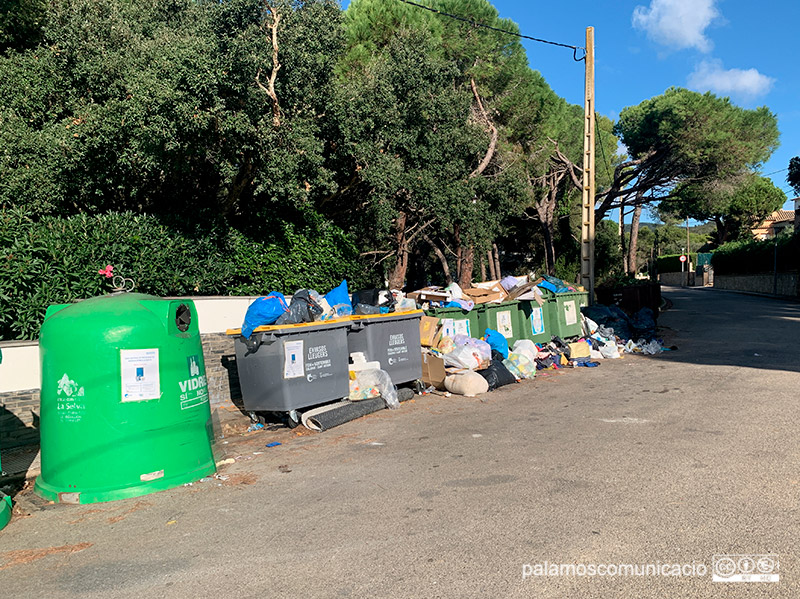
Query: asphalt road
646, 460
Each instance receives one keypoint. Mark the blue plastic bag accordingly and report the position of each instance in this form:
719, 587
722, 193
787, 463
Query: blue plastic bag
497, 342
264, 311
338, 298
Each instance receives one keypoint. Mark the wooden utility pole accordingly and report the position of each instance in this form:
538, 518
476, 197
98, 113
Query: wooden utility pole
587, 211
688, 253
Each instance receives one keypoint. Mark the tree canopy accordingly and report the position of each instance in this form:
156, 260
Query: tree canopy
734, 206
793, 177
684, 137
405, 146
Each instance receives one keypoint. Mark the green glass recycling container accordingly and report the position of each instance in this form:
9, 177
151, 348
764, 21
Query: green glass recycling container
456, 321
503, 318
124, 399
533, 320
564, 312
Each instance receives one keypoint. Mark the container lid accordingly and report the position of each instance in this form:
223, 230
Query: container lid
296, 328
389, 316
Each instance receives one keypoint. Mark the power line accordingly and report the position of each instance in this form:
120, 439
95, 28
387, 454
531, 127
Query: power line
603, 152
775, 172
506, 31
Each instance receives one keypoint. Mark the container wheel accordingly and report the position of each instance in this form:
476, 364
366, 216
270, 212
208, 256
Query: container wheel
292, 419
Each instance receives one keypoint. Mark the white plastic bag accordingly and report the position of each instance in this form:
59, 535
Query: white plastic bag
380, 380
405, 305
455, 291
465, 356
520, 365
527, 348
589, 326
610, 351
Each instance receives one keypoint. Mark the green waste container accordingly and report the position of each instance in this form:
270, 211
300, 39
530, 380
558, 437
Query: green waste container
391, 339
564, 312
533, 321
124, 399
5, 510
283, 368
503, 318
456, 321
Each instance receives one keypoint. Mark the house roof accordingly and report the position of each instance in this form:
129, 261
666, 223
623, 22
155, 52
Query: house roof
778, 217
781, 215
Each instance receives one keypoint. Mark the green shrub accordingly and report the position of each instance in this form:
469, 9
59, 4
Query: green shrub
756, 256
56, 260
672, 263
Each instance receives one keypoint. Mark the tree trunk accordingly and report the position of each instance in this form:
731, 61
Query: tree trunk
397, 277
622, 245
633, 265
545, 209
243, 179
467, 264
442, 258
549, 248
269, 89
483, 270
490, 260
496, 257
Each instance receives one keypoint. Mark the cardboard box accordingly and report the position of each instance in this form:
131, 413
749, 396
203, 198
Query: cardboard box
433, 371
430, 294
484, 296
428, 326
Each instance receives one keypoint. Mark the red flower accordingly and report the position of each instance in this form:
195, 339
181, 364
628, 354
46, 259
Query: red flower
108, 271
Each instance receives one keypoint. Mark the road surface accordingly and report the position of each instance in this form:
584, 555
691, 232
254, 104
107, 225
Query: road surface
659, 460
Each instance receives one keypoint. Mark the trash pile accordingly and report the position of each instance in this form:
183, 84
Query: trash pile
458, 341
508, 289
637, 332
470, 366
308, 305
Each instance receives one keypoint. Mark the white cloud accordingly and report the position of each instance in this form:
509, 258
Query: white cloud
677, 23
748, 84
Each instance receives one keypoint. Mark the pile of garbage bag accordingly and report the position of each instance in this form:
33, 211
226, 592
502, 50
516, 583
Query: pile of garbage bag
641, 325
308, 305
508, 288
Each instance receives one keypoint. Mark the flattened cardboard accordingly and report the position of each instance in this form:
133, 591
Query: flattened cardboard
433, 371
430, 294
428, 326
484, 296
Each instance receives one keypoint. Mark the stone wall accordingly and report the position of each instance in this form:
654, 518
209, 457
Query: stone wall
761, 283
19, 418
223, 378
676, 278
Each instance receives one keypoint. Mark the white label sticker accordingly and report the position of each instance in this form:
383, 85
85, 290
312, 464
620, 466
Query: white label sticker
462, 327
570, 313
293, 359
448, 328
537, 321
504, 326
140, 376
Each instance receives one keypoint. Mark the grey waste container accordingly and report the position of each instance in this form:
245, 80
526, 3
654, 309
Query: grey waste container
285, 368
391, 339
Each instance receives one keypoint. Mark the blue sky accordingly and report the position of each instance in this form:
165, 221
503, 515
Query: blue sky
737, 48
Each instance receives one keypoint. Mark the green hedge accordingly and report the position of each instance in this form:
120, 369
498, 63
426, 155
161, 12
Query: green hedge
672, 263
753, 256
56, 260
